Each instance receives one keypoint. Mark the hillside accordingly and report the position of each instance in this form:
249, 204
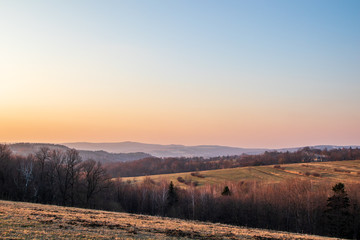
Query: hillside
176, 150
25, 149
344, 171
171, 150
20, 220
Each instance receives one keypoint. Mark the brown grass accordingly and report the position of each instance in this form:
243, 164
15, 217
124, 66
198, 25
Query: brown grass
318, 172
20, 220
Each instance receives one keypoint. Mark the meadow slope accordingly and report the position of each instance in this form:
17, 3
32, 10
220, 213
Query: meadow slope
333, 172
19, 220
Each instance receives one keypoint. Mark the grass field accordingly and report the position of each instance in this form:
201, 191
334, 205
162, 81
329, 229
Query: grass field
341, 171
20, 220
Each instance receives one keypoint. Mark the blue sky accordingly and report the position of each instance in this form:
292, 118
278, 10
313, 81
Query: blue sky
241, 73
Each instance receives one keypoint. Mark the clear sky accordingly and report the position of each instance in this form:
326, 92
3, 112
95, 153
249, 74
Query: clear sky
240, 73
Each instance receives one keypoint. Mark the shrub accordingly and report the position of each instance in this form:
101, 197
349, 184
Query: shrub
188, 182
341, 170
180, 179
279, 167
197, 174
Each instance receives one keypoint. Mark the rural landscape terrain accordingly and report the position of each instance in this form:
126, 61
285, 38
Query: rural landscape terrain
37, 221
316, 172
181, 119
310, 190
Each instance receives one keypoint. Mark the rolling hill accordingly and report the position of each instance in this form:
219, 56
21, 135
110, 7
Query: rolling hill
25, 149
339, 171
19, 220
174, 150
171, 150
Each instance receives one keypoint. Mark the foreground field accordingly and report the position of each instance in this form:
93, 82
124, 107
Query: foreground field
340, 171
20, 220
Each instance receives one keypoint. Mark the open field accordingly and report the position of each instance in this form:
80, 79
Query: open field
341, 171
19, 220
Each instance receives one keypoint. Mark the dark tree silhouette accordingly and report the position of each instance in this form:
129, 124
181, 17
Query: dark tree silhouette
5, 176
41, 159
172, 197
226, 191
338, 217
95, 179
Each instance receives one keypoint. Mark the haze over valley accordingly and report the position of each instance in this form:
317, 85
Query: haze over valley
129, 151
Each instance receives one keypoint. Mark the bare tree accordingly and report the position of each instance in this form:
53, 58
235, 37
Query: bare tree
192, 193
162, 196
5, 156
53, 171
68, 174
41, 159
95, 179
24, 178
26, 170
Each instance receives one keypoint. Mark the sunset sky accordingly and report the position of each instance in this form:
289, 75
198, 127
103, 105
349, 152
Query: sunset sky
239, 73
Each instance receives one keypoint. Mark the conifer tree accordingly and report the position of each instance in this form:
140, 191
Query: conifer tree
338, 217
226, 191
172, 196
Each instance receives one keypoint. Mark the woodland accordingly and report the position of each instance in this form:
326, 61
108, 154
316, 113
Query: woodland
63, 178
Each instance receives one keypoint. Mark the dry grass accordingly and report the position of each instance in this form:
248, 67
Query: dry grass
20, 220
331, 172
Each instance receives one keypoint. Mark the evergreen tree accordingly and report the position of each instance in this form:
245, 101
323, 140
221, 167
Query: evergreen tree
226, 191
172, 197
338, 217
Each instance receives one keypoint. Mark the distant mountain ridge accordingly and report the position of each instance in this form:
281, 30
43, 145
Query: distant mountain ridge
171, 150
25, 149
174, 150
130, 151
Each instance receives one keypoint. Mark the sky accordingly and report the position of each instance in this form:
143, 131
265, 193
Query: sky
238, 73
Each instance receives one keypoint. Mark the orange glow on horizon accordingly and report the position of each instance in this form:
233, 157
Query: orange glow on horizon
245, 128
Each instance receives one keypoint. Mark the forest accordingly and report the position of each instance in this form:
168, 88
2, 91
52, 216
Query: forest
63, 178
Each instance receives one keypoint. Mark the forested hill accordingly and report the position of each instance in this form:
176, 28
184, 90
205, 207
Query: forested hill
177, 150
24, 149
152, 166
170, 150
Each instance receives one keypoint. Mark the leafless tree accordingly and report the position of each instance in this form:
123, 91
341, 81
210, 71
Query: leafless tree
95, 178
68, 173
25, 178
52, 174
41, 158
5, 155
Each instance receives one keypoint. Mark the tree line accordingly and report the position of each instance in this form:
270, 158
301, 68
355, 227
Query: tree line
153, 165
63, 178
51, 177
293, 206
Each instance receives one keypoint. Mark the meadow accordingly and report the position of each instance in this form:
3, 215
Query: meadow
19, 220
331, 172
